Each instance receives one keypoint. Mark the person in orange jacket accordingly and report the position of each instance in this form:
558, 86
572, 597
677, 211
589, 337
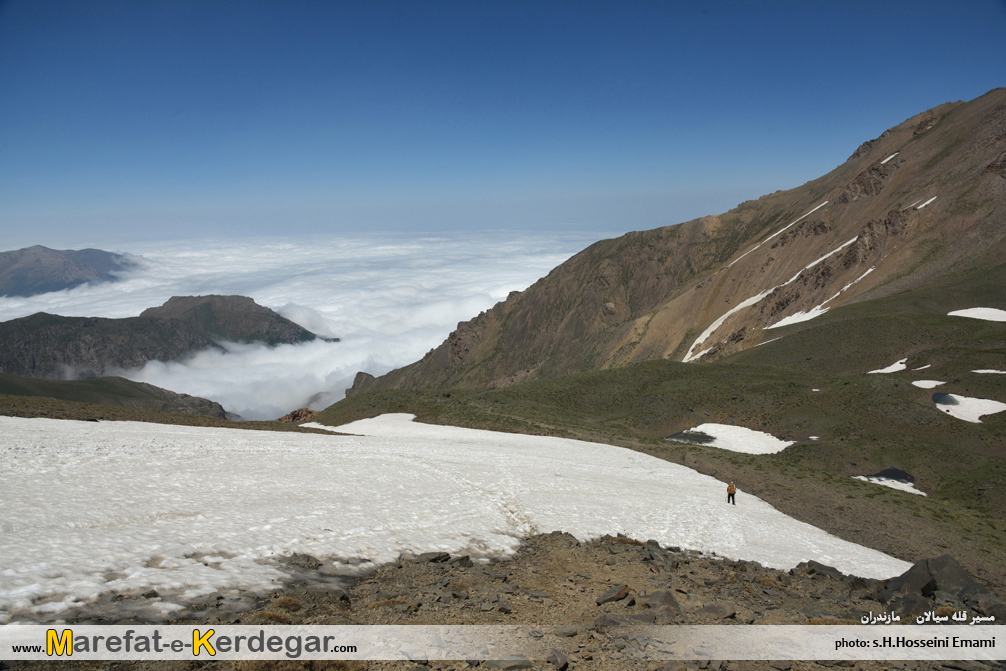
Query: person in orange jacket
731, 490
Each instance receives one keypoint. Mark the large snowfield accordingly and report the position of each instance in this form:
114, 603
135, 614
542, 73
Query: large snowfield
93, 508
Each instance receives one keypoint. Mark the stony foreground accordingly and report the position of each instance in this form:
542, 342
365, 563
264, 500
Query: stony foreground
575, 594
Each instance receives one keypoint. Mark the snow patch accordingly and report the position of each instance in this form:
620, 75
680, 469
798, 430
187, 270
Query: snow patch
893, 368
893, 484
990, 370
818, 310
923, 367
734, 438
926, 203
138, 504
971, 409
927, 384
889, 158
986, 314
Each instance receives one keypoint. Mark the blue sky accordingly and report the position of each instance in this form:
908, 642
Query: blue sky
141, 120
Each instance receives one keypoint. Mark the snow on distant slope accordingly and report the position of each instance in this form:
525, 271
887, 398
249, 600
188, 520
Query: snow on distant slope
990, 370
927, 384
926, 203
735, 439
889, 158
987, 314
893, 368
125, 507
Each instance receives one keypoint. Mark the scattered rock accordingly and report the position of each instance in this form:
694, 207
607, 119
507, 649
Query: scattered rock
616, 593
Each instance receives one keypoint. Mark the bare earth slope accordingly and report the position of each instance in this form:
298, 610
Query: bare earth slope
921, 201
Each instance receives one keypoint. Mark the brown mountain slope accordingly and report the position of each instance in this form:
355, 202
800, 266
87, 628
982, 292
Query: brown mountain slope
924, 199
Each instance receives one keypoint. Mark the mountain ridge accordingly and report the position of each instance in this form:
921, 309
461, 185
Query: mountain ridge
57, 347
922, 200
38, 270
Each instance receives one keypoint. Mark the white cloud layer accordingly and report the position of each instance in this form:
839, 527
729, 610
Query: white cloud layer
389, 298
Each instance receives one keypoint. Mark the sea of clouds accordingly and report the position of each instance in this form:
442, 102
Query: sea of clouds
389, 298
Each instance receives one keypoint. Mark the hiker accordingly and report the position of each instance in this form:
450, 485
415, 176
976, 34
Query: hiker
731, 490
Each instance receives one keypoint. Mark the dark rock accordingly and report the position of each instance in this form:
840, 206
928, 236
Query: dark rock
432, 558
782, 665
567, 632
663, 599
152, 594
558, 660
463, 561
616, 593
910, 606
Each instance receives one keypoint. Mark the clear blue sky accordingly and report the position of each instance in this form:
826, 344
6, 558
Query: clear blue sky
148, 118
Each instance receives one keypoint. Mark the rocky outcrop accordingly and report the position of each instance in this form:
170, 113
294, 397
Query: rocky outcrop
38, 270
298, 416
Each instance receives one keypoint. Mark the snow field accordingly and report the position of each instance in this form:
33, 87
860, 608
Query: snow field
124, 507
990, 370
741, 439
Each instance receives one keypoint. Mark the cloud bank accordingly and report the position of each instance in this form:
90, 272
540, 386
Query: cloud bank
389, 298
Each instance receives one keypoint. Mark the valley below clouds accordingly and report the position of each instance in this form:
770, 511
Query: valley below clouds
388, 298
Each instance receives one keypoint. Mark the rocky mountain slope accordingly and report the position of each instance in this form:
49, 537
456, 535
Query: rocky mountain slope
38, 270
917, 204
51, 346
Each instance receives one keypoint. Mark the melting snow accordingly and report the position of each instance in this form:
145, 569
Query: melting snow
736, 439
987, 314
125, 507
971, 409
754, 299
923, 367
990, 370
818, 310
893, 484
893, 368
927, 384
795, 222
889, 158
926, 203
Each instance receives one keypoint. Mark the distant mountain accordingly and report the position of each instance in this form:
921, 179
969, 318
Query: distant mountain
111, 391
51, 346
231, 318
921, 202
38, 270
